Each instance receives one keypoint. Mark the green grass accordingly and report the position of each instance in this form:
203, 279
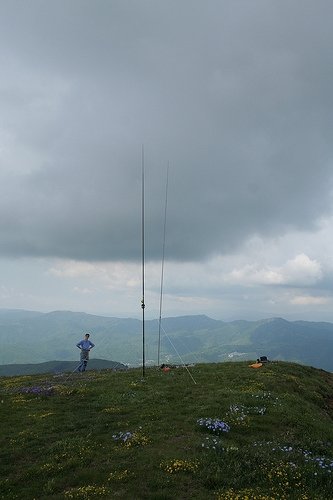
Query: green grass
61, 446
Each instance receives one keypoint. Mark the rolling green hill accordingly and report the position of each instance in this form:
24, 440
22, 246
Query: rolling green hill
32, 337
213, 431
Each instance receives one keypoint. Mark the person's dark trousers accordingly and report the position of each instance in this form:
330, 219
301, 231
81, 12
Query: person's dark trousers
84, 357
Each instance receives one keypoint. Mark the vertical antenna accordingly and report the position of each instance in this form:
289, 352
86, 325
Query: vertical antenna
162, 271
143, 258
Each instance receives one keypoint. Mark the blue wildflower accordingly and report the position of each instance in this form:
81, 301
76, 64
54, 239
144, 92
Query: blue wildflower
214, 425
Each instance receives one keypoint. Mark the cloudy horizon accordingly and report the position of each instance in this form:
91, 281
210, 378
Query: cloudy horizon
233, 96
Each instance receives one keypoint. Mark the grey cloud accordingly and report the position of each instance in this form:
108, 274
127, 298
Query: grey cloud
236, 95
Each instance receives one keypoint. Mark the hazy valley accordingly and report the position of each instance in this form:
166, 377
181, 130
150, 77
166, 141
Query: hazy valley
32, 337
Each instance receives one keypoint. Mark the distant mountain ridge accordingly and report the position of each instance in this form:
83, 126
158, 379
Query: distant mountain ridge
57, 367
35, 337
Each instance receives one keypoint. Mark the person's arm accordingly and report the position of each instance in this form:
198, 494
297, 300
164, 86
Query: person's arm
79, 345
91, 345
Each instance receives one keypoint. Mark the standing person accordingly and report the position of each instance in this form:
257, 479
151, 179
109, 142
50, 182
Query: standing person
85, 345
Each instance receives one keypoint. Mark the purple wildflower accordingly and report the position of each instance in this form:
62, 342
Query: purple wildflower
214, 425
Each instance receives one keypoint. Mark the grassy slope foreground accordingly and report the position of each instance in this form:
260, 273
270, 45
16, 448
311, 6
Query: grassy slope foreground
111, 435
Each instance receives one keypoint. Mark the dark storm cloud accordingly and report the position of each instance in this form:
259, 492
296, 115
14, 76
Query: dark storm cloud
235, 94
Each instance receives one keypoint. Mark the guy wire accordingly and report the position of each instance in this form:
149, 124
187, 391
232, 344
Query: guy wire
143, 259
181, 359
162, 269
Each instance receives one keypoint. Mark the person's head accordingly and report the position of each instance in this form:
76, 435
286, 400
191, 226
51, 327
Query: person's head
87, 335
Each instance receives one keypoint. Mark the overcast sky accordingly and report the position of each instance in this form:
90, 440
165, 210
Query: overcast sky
234, 95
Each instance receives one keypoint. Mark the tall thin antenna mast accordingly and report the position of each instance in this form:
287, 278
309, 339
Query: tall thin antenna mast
162, 271
143, 258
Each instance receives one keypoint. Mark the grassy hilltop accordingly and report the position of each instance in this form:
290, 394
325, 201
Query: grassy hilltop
111, 435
